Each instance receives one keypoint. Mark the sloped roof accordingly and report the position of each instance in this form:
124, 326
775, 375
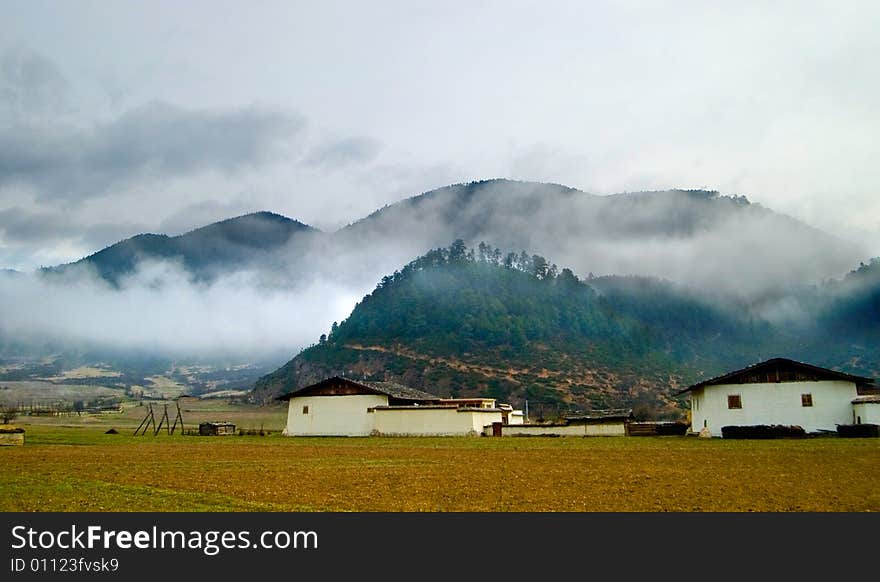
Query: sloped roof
391, 389
736, 376
396, 390
870, 398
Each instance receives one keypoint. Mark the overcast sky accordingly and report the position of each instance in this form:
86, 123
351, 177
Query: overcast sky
124, 117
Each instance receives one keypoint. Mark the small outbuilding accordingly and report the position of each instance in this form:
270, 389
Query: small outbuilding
866, 409
11, 436
216, 428
779, 392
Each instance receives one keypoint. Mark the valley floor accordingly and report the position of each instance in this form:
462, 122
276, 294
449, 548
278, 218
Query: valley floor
76, 467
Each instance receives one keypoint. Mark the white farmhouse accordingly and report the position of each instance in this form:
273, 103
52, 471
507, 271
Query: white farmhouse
778, 391
344, 407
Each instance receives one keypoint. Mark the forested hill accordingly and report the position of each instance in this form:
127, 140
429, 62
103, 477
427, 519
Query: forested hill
460, 321
467, 322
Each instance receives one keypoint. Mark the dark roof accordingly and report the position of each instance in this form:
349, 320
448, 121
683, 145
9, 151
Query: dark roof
599, 415
392, 389
396, 390
824, 373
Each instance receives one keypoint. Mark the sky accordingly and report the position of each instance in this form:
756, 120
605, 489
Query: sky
120, 118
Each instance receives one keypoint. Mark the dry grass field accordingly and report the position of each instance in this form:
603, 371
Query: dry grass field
66, 466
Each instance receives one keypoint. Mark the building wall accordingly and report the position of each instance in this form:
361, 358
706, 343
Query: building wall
332, 415
432, 421
606, 429
866, 412
774, 403
580, 430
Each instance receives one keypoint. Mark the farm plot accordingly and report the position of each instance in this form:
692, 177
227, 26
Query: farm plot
71, 469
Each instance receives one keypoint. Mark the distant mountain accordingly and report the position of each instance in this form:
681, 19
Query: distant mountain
474, 322
694, 237
720, 244
247, 241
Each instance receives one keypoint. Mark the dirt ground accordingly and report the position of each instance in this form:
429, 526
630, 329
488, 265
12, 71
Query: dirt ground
76, 467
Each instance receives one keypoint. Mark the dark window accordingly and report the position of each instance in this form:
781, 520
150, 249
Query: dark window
806, 399
305, 409
734, 401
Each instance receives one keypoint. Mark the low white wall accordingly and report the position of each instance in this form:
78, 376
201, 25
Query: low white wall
432, 421
332, 415
538, 430
605, 429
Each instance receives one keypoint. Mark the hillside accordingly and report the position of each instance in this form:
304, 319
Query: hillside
242, 242
467, 322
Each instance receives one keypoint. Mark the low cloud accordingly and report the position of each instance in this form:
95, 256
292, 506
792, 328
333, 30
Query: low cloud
156, 141
159, 310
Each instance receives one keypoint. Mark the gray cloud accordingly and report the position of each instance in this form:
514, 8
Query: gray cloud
30, 84
25, 233
151, 142
352, 150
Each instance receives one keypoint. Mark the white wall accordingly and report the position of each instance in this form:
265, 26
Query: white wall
867, 412
433, 421
332, 415
580, 430
605, 429
774, 403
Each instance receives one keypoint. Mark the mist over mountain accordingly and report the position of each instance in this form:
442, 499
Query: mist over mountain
244, 242
722, 244
263, 283
694, 237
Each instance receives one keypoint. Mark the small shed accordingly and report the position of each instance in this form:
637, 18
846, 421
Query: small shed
866, 409
11, 436
216, 428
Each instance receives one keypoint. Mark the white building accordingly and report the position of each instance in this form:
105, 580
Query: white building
343, 407
866, 409
778, 391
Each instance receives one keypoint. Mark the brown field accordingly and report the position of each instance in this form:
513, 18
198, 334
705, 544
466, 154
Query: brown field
70, 465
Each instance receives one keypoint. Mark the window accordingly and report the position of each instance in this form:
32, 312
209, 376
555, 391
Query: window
806, 399
734, 401
305, 409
